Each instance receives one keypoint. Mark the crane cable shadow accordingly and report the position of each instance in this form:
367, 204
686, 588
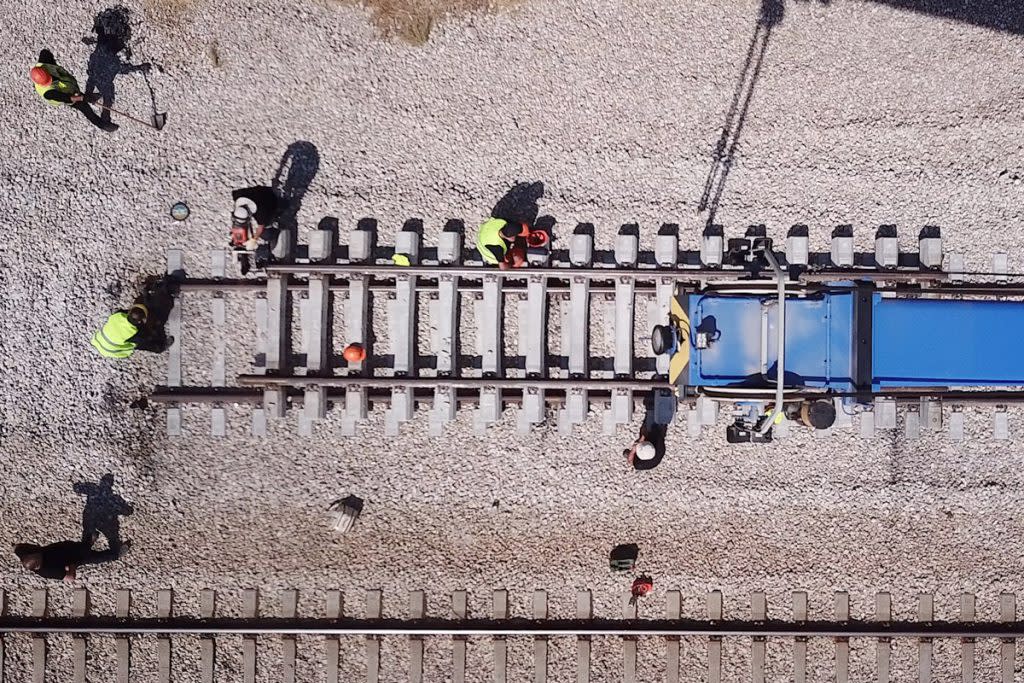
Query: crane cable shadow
771, 15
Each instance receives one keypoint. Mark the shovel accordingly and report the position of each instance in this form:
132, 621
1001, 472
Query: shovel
158, 121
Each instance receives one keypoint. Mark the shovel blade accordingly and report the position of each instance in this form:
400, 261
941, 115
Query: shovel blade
159, 121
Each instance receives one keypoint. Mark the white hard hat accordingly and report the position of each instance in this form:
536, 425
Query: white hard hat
244, 209
645, 451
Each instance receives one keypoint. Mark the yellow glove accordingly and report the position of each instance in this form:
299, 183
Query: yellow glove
250, 244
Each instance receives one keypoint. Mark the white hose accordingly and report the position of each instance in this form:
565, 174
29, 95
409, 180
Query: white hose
780, 378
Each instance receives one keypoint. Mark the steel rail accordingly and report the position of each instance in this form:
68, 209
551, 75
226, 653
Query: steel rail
598, 273
513, 628
560, 283
609, 272
423, 285
252, 392
425, 395
525, 383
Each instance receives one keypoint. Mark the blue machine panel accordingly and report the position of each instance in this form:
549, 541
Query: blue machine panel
819, 335
933, 342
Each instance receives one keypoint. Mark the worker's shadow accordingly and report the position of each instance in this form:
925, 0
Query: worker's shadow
111, 57
519, 205
295, 174
103, 510
724, 154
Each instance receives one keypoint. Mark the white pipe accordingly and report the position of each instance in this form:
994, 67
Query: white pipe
781, 343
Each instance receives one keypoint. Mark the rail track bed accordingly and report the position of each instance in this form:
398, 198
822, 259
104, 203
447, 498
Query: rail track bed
557, 341
353, 637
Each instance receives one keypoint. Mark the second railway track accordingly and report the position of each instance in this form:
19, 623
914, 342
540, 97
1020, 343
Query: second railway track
497, 637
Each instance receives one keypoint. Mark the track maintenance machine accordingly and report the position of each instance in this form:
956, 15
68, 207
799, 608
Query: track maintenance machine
803, 342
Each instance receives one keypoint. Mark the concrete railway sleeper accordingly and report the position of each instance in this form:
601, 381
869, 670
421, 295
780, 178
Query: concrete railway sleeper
351, 630
564, 308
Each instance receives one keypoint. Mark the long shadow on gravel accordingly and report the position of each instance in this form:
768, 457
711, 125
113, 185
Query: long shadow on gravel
999, 15
772, 13
111, 56
294, 175
103, 510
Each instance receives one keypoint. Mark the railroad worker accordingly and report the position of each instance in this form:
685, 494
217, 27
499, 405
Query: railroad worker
141, 327
498, 242
642, 586
649, 448
255, 210
60, 561
57, 86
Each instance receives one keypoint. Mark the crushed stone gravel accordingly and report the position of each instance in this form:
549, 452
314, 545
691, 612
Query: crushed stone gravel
862, 113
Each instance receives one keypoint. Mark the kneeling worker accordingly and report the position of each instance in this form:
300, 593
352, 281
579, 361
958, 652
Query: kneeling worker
255, 209
141, 327
501, 244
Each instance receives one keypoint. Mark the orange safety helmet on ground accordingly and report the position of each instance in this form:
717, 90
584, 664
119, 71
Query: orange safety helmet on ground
40, 76
354, 353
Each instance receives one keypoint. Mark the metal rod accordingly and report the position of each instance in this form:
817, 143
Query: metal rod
873, 276
205, 395
780, 276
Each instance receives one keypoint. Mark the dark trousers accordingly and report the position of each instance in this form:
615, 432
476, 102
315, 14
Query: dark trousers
152, 339
158, 297
112, 552
93, 118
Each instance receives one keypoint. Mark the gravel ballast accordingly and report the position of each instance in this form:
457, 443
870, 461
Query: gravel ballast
862, 113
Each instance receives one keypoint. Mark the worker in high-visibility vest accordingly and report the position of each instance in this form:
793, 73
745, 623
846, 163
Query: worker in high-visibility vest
116, 339
496, 242
141, 327
57, 86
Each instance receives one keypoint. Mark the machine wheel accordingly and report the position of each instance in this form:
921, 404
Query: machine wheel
662, 339
819, 414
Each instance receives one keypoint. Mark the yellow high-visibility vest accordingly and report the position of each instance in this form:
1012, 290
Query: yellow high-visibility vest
112, 339
489, 235
62, 81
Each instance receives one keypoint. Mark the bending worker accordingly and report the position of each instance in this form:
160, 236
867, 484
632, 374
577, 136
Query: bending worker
141, 327
501, 243
57, 87
255, 208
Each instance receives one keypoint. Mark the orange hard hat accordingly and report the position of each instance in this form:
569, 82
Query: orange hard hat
354, 353
537, 238
40, 76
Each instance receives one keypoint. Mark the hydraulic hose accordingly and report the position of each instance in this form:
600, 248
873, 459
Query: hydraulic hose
781, 343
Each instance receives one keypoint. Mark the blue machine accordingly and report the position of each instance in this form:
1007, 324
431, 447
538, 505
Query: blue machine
844, 343
915, 342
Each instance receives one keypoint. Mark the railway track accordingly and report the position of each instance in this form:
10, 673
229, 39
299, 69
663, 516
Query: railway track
439, 332
355, 639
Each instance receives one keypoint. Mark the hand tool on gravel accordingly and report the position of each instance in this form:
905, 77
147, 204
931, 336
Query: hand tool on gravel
158, 121
344, 512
